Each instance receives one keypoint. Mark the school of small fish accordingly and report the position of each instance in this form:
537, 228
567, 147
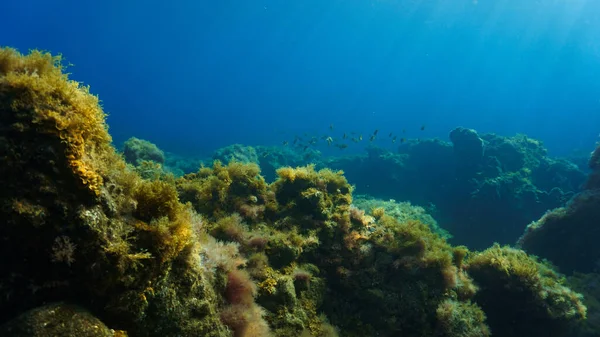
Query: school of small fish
307, 141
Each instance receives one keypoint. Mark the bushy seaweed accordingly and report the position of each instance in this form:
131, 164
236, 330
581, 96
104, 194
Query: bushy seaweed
223, 189
516, 288
137, 150
92, 231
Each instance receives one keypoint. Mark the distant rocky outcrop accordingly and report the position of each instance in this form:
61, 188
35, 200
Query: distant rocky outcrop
136, 150
486, 188
236, 152
569, 236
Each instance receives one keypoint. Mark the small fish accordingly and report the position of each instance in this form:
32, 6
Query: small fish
344, 136
372, 138
341, 146
285, 143
305, 147
330, 126
390, 134
402, 140
360, 138
295, 140
422, 127
375, 133
403, 130
329, 141
394, 139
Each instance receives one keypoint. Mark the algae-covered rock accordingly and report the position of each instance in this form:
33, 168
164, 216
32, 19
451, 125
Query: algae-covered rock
594, 164
568, 236
136, 150
223, 189
516, 288
272, 158
57, 319
319, 260
485, 188
80, 226
468, 148
589, 286
462, 319
236, 153
403, 211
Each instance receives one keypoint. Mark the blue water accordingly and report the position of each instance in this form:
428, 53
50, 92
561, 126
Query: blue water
199, 75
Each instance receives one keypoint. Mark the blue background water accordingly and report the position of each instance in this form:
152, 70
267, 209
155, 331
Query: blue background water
202, 74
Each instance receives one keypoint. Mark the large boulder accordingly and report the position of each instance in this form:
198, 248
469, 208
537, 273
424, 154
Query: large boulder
568, 236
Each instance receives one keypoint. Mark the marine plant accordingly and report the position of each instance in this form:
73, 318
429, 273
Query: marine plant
517, 288
93, 232
136, 150
223, 189
236, 153
403, 211
571, 227
587, 284
320, 260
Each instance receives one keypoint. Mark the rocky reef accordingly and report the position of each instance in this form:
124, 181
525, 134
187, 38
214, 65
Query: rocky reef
222, 252
80, 227
236, 153
568, 236
485, 188
136, 150
502, 182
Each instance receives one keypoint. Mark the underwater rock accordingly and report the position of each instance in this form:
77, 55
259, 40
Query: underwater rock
371, 274
593, 182
315, 259
180, 165
136, 150
362, 259
516, 288
150, 161
221, 189
236, 152
402, 211
419, 171
510, 185
272, 158
568, 236
508, 152
57, 319
589, 286
468, 148
502, 206
80, 226
558, 174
